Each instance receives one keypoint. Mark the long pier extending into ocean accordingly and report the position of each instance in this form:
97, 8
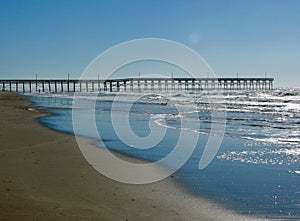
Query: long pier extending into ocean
135, 84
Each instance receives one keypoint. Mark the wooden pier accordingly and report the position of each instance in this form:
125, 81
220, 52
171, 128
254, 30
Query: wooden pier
135, 84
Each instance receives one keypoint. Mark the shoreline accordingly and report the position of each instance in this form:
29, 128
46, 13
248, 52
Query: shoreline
47, 178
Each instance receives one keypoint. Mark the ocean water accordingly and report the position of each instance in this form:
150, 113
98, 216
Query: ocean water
257, 168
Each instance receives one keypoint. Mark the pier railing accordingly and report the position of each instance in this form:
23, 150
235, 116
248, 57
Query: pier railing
134, 84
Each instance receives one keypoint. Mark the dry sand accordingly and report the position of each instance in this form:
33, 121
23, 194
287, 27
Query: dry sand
43, 176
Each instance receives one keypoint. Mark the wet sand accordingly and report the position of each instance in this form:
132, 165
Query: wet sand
43, 176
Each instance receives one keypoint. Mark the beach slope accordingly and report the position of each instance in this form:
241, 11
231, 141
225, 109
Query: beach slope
43, 176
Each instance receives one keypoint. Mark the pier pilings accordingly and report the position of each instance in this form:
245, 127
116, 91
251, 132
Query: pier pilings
135, 84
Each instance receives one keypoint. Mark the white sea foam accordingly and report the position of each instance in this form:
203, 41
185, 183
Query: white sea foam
295, 172
269, 117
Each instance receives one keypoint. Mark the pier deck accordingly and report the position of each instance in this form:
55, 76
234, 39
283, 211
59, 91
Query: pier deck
134, 84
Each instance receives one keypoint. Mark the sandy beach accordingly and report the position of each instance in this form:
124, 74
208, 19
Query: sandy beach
43, 176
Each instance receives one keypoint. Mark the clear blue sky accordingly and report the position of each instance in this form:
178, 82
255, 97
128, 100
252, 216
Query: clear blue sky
55, 37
